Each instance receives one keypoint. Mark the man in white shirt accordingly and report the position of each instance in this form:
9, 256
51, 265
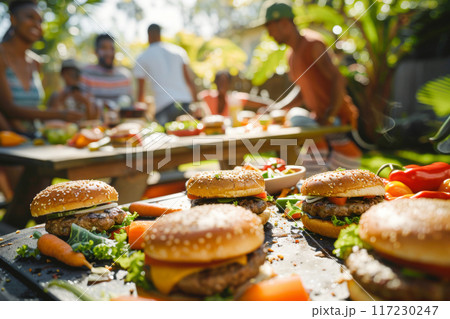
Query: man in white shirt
165, 65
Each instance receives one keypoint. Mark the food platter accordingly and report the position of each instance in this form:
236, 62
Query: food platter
276, 184
290, 250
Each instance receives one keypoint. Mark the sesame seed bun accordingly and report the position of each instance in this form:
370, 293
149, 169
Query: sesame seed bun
358, 294
264, 216
72, 195
321, 226
345, 183
226, 184
414, 230
204, 234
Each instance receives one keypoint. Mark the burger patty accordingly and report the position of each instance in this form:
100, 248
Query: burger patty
255, 205
385, 280
354, 206
101, 220
215, 280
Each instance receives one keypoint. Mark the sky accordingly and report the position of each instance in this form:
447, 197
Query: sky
106, 17
166, 15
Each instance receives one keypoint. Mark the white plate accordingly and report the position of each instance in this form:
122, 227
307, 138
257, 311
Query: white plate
276, 184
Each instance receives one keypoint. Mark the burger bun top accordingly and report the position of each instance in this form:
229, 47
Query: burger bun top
72, 195
344, 183
204, 234
226, 184
416, 230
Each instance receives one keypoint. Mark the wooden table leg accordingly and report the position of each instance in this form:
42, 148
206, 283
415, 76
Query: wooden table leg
30, 183
130, 187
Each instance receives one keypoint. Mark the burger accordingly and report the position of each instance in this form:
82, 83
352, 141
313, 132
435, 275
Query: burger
124, 133
278, 116
405, 254
336, 199
204, 250
213, 125
244, 188
88, 203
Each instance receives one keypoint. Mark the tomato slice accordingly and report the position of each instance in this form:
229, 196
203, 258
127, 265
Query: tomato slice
262, 195
190, 196
340, 201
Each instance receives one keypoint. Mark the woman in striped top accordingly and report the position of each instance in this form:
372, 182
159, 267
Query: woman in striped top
20, 84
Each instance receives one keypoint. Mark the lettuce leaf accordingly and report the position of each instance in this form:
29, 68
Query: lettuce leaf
226, 295
342, 221
97, 246
126, 221
348, 238
293, 209
134, 265
25, 251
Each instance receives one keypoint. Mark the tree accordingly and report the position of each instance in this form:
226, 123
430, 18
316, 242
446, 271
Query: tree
373, 34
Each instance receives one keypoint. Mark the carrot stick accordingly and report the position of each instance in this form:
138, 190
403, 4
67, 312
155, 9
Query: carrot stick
151, 210
52, 246
277, 289
136, 232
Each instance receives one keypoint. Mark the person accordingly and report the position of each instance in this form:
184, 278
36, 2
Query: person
218, 100
106, 82
71, 97
319, 86
165, 65
20, 85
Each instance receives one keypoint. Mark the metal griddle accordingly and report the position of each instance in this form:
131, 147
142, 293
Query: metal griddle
291, 250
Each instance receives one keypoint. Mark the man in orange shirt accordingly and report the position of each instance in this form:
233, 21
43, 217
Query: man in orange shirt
320, 87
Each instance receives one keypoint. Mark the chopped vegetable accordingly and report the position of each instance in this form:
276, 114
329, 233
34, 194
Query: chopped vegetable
275, 163
52, 246
277, 289
348, 238
136, 233
282, 201
134, 264
293, 211
25, 252
151, 210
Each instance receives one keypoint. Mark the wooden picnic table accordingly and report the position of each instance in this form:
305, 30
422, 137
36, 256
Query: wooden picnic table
129, 167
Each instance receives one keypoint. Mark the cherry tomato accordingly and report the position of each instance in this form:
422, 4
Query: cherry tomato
445, 186
397, 189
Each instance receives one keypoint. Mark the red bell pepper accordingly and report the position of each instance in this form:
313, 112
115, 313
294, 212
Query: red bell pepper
431, 194
421, 178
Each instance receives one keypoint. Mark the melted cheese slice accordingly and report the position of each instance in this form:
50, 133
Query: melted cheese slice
165, 277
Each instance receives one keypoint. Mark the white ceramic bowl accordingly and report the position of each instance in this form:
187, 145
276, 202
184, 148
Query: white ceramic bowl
276, 184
